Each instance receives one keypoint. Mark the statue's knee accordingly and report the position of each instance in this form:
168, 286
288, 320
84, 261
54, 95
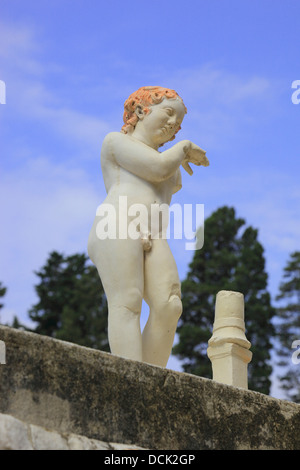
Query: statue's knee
175, 306
129, 301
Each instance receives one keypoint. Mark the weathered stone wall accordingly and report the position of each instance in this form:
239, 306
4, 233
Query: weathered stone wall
17, 435
72, 390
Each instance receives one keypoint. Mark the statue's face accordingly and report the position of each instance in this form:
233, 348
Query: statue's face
163, 121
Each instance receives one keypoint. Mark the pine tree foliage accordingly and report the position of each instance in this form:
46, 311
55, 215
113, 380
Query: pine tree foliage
288, 328
2, 292
72, 305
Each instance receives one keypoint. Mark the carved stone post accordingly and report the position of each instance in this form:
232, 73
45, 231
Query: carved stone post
228, 347
2, 352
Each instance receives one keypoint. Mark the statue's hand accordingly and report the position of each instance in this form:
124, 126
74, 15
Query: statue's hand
195, 155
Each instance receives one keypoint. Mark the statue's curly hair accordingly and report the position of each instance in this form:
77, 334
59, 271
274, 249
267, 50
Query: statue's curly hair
145, 97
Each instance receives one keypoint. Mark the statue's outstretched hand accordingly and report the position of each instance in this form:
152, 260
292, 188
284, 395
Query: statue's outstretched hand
195, 155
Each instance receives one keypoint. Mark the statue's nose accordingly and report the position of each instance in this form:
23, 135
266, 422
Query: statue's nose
172, 121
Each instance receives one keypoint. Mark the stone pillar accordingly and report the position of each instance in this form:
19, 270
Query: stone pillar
2, 352
228, 348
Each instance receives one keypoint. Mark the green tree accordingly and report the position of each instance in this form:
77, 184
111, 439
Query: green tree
288, 327
2, 293
231, 259
15, 323
72, 304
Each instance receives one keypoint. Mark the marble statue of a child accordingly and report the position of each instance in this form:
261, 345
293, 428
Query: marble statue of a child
142, 267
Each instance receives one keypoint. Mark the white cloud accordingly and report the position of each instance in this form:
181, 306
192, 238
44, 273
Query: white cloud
212, 84
45, 207
222, 105
214, 96
31, 95
18, 49
33, 101
86, 130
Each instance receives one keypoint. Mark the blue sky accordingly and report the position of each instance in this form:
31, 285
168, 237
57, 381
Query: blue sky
69, 65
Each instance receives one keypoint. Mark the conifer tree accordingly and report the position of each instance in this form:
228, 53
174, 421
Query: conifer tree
72, 304
288, 328
231, 259
2, 293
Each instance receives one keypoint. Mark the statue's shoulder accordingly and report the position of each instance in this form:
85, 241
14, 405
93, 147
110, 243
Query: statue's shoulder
113, 140
111, 145
113, 137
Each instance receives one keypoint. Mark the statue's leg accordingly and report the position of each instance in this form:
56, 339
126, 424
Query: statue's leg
162, 294
120, 266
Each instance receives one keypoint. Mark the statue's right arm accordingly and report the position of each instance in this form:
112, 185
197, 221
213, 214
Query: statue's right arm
142, 160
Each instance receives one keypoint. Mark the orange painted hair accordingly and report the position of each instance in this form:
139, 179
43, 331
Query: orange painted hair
145, 97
